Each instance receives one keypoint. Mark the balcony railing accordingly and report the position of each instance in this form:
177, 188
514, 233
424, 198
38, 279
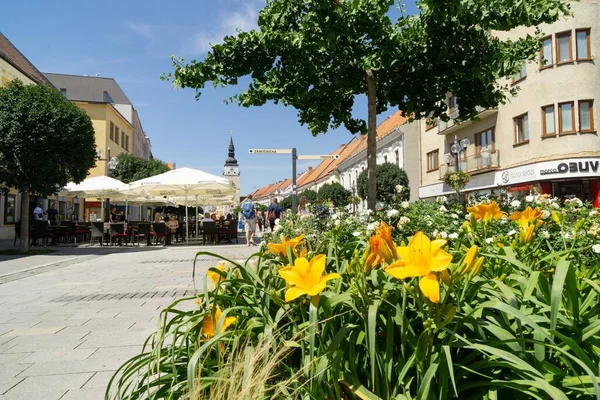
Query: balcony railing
451, 126
486, 160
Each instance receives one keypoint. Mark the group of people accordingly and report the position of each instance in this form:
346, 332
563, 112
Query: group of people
252, 217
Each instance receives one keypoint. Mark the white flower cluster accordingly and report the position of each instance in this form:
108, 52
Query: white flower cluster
443, 209
511, 232
515, 204
574, 202
545, 214
455, 216
404, 204
372, 226
530, 198
399, 189
403, 221
596, 248
453, 236
594, 213
546, 234
489, 240
392, 213
441, 199
356, 234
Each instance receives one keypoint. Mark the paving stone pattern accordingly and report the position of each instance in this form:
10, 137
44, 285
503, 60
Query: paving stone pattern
68, 323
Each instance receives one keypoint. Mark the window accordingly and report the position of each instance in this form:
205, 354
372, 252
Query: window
127, 143
123, 138
521, 129
10, 209
430, 123
485, 141
564, 52
522, 74
397, 158
112, 131
546, 52
566, 117
385, 158
583, 44
548, 128
433, 160
63, 91
586, 116
451, 103
107, 98
116, 135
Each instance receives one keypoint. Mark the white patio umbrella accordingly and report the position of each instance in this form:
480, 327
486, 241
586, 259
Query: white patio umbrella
101, 187
213, 200
183, 182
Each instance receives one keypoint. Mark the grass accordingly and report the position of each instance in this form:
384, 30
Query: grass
34, 252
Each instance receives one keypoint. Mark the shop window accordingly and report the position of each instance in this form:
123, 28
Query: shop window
112, 131
584, 48
433, 160
521, 129
566, 117
548, 128
586, 116
564, 51
546, 58
10, 209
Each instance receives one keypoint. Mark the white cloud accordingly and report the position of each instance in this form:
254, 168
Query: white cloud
243, 19
140, 28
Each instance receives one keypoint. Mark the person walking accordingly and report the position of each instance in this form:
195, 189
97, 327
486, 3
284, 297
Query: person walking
273, 213
249, 217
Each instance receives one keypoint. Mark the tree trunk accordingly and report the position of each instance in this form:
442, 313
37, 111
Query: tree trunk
371, 141
24, 243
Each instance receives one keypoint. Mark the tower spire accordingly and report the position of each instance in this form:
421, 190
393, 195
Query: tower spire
230, 161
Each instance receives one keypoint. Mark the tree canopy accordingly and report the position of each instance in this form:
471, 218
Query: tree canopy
319, 55
45, 143
336, 193
389, 176
310, 195
131, 168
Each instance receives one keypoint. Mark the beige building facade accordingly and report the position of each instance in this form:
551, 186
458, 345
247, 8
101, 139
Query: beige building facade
545, 138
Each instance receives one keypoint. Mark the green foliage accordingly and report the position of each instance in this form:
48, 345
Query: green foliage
45, 141
131, 168
286, 203
389, 176
310, 195
335, 193
523, 325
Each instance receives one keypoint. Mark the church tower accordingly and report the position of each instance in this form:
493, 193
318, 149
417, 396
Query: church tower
231, 169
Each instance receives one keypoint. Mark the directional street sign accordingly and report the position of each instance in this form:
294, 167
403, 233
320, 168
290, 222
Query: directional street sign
270, 151
319, 157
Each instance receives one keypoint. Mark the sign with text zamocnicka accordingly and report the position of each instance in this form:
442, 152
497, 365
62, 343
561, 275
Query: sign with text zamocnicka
270, 151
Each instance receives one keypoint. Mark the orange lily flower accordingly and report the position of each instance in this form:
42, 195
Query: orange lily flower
306, 277
486, 212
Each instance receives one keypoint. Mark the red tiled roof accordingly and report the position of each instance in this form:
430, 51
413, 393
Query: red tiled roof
384, 129
15, 58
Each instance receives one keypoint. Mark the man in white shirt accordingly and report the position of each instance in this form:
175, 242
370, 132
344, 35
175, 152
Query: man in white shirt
38, 213
205, 219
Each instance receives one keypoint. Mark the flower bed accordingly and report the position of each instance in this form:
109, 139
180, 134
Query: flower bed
424, 301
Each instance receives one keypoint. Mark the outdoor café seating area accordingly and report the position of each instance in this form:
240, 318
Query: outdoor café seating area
180, 187
133, 233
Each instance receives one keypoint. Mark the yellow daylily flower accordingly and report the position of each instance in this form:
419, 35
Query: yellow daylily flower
281, 248
526, 217
385, 232
215, 277
306, 277
486, 212
526, 235
209, 323
378, 252
421, 258
471, 264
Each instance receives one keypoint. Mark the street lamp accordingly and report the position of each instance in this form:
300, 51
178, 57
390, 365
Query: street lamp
457, 149
112, 164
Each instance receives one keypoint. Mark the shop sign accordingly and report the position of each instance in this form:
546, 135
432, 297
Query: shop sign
517, 175
573, 167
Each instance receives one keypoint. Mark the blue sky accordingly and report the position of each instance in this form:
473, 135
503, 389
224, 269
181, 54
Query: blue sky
132, 41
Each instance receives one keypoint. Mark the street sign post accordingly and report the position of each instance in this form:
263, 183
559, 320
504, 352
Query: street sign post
291, 151
270, 151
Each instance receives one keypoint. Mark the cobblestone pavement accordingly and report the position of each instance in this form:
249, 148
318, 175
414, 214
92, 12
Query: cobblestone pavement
69, 320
